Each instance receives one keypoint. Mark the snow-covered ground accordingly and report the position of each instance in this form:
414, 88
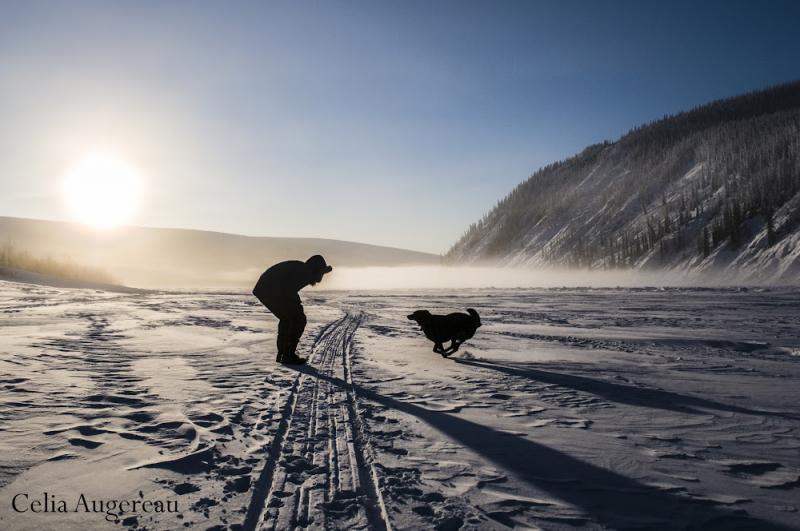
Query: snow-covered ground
572, 408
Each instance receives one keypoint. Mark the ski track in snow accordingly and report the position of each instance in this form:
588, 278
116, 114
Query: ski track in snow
569, 409
320, 457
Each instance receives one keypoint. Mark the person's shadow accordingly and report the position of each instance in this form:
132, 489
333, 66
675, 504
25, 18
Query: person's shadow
609, 497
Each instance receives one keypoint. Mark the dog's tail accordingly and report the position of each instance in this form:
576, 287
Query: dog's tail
475, 317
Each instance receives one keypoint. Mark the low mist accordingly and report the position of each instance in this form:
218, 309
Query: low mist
431, 277
440, 277
153, 258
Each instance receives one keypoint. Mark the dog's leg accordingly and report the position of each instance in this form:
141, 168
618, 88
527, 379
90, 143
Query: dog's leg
452, 348
438, 348
443, 351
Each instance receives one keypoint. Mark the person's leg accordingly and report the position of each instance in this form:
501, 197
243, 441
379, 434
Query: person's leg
295, 325
284, 342
291, 324
278, 309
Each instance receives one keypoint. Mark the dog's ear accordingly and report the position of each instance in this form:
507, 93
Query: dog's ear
420, 315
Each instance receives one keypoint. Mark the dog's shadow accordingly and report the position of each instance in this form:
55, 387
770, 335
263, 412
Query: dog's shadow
623, 394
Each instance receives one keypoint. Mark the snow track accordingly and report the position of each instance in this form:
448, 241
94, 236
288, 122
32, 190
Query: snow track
319, 471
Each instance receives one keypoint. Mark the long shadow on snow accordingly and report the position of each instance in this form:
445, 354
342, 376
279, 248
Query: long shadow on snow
612, 498
623, 394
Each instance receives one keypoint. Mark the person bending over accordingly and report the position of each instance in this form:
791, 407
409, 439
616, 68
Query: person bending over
277, 289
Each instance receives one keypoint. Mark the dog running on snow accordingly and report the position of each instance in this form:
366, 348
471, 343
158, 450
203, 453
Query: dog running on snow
453, 327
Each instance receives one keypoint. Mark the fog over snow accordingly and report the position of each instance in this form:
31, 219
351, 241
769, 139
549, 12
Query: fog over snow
447, 278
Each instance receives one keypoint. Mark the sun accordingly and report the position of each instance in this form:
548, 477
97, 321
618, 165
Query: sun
102, 191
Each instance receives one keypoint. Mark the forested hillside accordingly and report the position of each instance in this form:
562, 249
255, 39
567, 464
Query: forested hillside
713, 190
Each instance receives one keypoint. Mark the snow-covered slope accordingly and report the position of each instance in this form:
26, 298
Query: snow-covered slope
714, 190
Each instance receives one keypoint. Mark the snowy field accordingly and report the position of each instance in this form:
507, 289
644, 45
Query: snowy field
569, 409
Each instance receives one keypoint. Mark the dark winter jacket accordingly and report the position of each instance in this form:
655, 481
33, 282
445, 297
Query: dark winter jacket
283, 280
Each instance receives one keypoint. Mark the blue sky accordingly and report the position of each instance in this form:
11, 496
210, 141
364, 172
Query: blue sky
394, 123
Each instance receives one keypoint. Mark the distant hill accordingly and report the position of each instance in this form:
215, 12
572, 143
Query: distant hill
173, 258
29, 277
713, 191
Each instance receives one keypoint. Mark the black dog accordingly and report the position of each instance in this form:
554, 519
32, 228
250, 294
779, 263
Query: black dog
454, 327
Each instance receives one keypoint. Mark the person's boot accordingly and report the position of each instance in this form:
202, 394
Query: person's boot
292, 359
283, 347
289, 357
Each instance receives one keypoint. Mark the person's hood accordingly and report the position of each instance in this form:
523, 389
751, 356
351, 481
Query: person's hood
318, 265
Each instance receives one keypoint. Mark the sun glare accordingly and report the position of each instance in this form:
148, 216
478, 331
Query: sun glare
102, 191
